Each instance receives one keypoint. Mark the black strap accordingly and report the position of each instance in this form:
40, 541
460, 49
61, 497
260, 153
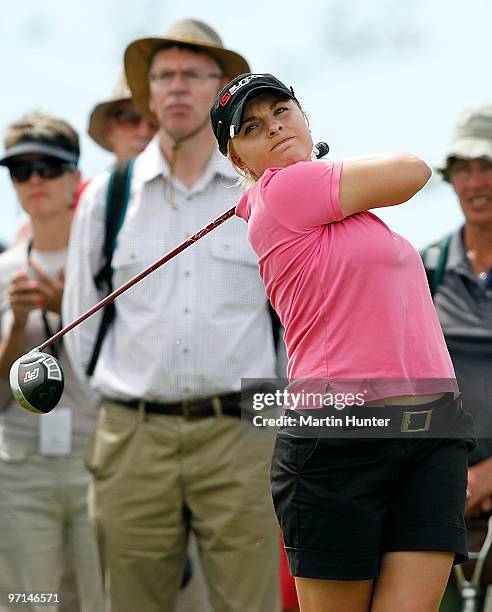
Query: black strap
116, 203
435, 272
276, 325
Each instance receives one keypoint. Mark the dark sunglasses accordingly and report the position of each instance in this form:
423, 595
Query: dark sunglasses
127, 118
47, 168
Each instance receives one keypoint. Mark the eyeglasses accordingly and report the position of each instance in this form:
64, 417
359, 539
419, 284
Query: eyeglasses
127, 118
464, 169
46, 168
189, 77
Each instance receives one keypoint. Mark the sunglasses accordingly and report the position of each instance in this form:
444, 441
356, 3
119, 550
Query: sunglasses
46, 168
127, 118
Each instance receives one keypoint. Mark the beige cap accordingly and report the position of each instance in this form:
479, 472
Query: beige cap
98, 120
188, 32
472, 137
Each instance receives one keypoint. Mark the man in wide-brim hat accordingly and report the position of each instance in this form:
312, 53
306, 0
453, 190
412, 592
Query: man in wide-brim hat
189, 33
118, 126
169, 454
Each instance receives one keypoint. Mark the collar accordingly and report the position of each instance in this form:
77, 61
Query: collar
152, 163
456, 251
457, 260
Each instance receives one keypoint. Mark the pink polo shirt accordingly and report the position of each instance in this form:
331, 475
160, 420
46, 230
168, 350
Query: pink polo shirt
352, 295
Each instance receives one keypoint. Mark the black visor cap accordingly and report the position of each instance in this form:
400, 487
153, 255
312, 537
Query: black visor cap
228, 110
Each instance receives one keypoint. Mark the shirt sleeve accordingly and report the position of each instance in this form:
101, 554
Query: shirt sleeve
305, 195
84, 260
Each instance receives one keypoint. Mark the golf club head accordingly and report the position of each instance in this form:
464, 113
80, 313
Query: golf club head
36, 382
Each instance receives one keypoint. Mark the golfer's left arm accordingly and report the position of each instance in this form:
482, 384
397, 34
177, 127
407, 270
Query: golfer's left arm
382, 180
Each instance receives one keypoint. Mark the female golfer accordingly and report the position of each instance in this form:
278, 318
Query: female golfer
368, 524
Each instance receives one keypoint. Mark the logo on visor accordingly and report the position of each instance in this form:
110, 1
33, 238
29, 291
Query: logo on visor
225, 99
243, 82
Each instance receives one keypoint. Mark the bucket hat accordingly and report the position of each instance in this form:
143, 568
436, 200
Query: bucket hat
472, 137
98, 120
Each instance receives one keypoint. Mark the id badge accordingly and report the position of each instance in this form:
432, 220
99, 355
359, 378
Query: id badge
55, 432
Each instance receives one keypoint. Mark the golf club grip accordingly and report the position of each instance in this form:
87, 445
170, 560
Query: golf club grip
138, 277
321, 149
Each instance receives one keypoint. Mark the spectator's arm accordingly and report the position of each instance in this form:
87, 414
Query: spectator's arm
479, 488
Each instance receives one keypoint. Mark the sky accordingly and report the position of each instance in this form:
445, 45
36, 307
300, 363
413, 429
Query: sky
386, 75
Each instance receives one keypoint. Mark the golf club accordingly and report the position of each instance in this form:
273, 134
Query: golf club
36, 378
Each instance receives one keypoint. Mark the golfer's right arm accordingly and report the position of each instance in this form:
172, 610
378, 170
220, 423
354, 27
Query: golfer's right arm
381, 180
83, 263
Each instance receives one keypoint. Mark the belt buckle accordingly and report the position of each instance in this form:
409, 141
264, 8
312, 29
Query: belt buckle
407, 417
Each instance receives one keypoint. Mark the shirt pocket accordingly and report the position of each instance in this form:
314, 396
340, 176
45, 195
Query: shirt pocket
234, 273
228, 251
133, 257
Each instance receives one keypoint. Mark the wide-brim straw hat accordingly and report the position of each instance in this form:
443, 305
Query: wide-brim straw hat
98, 120
472, 137
188, 32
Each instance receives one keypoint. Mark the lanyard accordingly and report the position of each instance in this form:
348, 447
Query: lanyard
46, 324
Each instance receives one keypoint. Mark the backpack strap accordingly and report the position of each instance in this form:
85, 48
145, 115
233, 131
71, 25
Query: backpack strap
434, 258
117, 196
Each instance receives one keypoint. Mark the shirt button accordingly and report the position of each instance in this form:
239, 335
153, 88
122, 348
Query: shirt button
178, 341
186, 350
186, 310
187, 273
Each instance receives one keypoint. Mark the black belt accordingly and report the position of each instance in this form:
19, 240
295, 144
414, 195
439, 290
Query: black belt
443, 417
432, 419
212, 406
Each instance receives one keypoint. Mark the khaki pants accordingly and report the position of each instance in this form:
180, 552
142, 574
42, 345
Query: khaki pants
155, 478
44, 524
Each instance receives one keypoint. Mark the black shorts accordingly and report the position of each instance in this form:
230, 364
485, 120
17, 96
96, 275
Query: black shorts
343, 502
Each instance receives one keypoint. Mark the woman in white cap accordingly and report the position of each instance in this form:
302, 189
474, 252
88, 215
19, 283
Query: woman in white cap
371, 510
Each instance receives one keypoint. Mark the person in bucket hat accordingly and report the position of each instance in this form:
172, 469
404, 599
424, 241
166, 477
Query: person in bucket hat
472, 138
118, 126
169, 454
459, 267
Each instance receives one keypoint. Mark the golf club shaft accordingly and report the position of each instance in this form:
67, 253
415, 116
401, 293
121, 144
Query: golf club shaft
137, 278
